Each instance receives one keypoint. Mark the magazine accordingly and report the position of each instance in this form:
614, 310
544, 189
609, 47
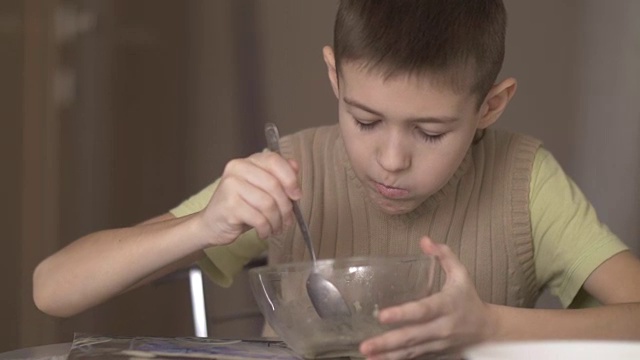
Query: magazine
96, 347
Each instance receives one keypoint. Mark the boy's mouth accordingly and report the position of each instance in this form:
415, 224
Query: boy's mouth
390, 191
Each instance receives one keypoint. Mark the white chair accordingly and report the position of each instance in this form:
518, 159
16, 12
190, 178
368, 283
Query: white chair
198, 306
198, 298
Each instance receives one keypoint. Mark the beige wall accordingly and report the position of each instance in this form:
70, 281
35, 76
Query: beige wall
579, 85
11, 65
577, 67
297, 92
77, 158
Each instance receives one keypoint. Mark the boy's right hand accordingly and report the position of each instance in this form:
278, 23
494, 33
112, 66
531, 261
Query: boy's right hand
254, 192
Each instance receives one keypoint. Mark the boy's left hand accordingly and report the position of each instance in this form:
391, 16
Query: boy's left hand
444, 322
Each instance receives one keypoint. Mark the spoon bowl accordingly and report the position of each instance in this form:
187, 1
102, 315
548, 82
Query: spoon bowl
325, 297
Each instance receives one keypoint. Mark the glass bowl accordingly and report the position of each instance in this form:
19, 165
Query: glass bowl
368, 284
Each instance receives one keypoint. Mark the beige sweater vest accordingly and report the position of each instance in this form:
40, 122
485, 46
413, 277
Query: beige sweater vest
482, 213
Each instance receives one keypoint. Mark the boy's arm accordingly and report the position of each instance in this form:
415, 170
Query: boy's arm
614, 283
253, 193
574, 250
103, 264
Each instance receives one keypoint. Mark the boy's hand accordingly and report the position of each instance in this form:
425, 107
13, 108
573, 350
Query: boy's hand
441, 323
253, 192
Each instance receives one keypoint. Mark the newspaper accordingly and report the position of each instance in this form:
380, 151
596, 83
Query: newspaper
97, 347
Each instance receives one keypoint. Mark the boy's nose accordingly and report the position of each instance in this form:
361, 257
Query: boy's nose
392, 155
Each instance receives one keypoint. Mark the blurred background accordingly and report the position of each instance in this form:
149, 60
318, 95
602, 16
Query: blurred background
113, 111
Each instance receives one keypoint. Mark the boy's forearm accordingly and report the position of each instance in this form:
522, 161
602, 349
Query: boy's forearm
103, 264
621, 321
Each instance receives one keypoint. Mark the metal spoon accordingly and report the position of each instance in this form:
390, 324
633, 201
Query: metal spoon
324, 295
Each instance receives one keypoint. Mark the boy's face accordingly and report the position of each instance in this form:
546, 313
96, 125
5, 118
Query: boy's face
404, 136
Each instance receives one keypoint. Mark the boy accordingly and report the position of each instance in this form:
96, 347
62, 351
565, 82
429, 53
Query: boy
412, 159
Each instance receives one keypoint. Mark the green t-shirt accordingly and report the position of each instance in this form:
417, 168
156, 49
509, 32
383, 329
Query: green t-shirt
569, 241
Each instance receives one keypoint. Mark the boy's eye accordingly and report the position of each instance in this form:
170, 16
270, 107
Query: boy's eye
429, 137
365, 125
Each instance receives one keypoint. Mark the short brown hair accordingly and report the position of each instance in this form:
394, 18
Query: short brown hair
451, 40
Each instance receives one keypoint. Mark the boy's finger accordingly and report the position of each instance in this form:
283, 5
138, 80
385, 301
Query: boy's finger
447, 259
294, 165
272, 187
246, 215
417, 311
282, 170
266, 205
260, 178
404, 343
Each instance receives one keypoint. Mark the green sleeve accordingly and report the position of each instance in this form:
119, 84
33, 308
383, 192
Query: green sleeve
569, 241
222, 263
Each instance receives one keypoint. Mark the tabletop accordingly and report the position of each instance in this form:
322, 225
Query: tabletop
52, 352
62, 350
101, 347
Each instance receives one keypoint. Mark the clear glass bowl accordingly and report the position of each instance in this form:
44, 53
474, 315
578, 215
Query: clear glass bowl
367, 285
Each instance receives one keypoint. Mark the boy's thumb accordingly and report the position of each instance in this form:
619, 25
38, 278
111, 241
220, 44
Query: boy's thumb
447, 259
294, 165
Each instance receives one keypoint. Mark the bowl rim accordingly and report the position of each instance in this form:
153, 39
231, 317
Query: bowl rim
337, 263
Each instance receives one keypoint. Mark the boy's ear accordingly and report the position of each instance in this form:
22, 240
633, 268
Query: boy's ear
496, 101
330, 60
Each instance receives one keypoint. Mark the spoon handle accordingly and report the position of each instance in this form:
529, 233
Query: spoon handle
273, 143
304, 229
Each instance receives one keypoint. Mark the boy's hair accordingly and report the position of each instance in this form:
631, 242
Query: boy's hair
458, 43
